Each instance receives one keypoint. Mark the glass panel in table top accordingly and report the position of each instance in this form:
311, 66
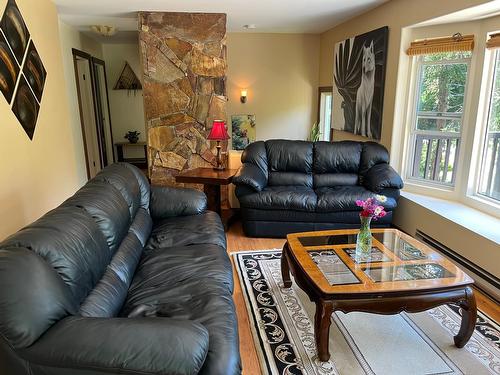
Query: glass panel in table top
401, 248
333, 268
406, 272
376, 255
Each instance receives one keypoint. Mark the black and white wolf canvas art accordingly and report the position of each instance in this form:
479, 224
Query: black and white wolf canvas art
358, 83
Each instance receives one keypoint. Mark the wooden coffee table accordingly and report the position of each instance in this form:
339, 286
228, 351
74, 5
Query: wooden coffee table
400, 274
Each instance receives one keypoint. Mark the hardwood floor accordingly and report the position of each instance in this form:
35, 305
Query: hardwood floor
236, 241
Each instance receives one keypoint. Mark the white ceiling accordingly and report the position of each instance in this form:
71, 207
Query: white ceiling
269, 16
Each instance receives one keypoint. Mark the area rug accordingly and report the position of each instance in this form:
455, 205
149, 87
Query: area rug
404, 344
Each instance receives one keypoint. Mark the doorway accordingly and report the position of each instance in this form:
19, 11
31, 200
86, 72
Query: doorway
95, 118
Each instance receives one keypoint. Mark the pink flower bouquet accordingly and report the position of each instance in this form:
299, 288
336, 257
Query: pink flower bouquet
372, 208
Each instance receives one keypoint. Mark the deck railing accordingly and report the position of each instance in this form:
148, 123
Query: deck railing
435, 157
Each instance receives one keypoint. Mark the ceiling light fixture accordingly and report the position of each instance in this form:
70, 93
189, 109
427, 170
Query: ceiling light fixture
250, 26
103, 30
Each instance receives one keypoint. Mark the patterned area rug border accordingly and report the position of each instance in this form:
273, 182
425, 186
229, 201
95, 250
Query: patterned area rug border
485, 326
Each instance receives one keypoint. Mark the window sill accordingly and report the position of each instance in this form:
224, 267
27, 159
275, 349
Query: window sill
474, 220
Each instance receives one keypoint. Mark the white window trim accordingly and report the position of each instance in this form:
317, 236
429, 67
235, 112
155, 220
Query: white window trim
472, 197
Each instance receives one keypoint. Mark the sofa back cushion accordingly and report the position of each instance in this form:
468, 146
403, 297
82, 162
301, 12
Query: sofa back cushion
289, 162
336, 163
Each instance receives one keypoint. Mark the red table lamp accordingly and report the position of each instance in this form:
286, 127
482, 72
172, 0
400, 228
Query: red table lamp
218, 133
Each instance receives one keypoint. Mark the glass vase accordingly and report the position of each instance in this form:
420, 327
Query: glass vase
364, 240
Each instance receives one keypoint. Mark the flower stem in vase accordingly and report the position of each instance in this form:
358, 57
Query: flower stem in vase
364, 240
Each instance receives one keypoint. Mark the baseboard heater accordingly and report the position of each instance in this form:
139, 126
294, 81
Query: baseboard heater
488, 283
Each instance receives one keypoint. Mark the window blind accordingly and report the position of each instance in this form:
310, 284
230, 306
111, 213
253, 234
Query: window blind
493, 41
457, 42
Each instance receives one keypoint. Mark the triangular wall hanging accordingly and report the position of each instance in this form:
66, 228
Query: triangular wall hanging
128, 80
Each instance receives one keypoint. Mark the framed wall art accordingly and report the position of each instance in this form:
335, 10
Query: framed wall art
358, 83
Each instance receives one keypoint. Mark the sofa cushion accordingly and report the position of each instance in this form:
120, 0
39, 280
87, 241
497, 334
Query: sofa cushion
298, 198
290, 179
343, 198
337, 157
289, 156
205, 228
163, 270
192, 283
335, 179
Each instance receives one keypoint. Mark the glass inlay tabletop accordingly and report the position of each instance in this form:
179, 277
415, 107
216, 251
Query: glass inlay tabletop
396, 262
408, 272
334, 269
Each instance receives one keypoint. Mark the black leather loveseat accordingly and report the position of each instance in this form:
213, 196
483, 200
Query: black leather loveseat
122, 279
289, 186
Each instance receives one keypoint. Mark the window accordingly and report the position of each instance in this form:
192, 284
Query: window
489, 181
325, 112
438, 116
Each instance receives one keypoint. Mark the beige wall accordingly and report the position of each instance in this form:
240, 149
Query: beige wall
396, 14
280, 72
127, 108
39, 174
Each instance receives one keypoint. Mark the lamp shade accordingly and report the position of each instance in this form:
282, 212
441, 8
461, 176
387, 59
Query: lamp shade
218, 132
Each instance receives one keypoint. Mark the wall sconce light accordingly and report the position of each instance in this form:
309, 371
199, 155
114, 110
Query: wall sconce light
243, 97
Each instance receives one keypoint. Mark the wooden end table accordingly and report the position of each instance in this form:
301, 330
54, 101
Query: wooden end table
212, 180
400, 274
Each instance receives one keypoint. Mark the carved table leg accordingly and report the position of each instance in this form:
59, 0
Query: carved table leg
322, 321
285, 268
469, 316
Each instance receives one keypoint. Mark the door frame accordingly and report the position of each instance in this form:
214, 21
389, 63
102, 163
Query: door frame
98, 112
97, 104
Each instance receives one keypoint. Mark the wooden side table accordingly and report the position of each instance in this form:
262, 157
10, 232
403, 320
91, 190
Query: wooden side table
212, 180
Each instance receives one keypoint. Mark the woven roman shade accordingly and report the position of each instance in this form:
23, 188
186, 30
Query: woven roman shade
493, 41
457, 42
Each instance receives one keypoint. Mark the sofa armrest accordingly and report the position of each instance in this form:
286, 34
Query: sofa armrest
250, 175
124, 345
382, 176
170, 201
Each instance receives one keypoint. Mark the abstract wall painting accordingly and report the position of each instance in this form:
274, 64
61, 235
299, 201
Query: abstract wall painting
243, 131
358, 83
9, 70
18, 53
26, 107
15, 30
35, 71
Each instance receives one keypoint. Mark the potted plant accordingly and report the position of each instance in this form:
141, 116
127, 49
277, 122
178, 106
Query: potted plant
132, 136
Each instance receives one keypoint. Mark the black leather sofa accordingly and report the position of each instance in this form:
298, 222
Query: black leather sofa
121, 278
289, 186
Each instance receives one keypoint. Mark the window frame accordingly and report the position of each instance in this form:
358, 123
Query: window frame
417, 65
324, 90
472, 196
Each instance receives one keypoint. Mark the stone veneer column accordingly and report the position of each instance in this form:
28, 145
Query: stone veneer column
183, 57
